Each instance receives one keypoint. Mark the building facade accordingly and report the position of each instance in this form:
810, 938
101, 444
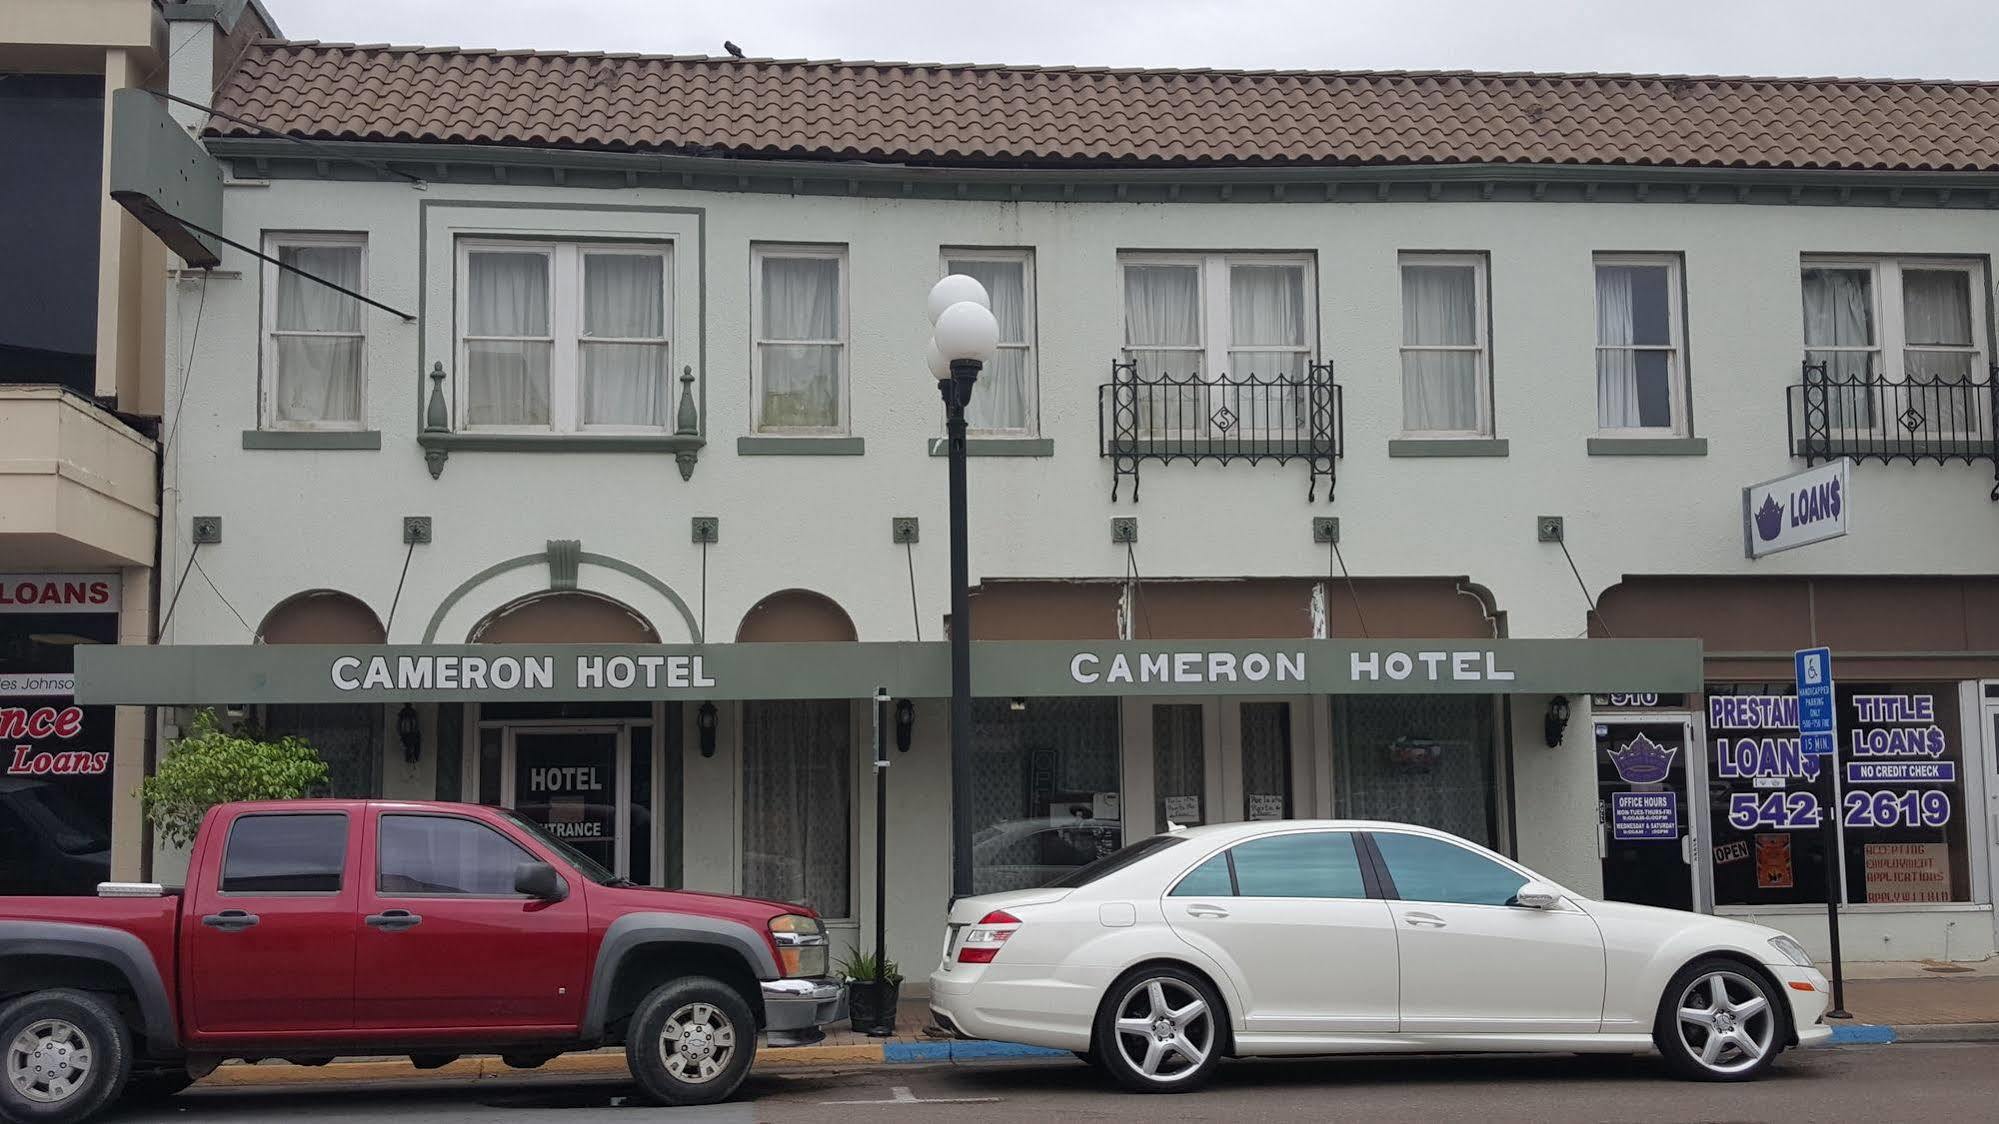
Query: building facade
1392, 467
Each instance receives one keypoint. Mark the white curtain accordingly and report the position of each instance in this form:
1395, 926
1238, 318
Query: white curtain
1839, 312
796, 762
801, 382
1179, 769
1616, 367
1267, 308
319, 376
1937, 314
506, 381
1162, 309
1000, 400
624, 297
1439, 388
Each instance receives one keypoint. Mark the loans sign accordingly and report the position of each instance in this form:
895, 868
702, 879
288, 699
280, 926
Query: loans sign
1797, 510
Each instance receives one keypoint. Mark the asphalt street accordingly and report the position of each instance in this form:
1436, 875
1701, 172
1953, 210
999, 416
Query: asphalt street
1898, 1082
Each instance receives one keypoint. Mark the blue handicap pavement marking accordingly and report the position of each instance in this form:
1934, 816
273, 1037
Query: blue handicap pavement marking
964, 1051
1862, 1034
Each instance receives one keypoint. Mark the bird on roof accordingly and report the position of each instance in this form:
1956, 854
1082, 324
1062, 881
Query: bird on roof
735, 52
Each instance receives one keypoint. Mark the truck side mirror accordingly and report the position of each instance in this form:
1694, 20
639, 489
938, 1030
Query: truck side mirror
539, 880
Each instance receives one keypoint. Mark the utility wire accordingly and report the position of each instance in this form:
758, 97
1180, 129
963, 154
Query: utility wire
399, 589
1137, 585
704, 591
408, 318
187, 364
1352, 590
915, 618
178, 586
1584, 586
196, 563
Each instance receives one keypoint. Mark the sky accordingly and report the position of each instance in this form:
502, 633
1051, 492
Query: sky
1873, 38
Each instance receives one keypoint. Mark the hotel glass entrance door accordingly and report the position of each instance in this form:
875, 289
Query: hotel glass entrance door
573, 781
1219, 760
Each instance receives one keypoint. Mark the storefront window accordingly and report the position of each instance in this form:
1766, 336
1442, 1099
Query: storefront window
1900, 810
348, 737
797, 761
55, 757
1418, 759
1045, 789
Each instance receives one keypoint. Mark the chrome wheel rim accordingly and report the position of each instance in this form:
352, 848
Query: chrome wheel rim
697, 1043
49, 1061
1726, 1022
1164, 1029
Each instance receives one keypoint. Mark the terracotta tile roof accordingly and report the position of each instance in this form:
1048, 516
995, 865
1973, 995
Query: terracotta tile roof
1063, 116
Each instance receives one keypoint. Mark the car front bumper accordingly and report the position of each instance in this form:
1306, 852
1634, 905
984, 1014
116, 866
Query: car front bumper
791, 1006
1809, 995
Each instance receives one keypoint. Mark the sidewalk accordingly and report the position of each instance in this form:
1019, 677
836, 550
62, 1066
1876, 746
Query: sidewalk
1890, 1002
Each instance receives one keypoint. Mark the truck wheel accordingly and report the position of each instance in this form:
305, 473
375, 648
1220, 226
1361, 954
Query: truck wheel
67, 1054
691, 1041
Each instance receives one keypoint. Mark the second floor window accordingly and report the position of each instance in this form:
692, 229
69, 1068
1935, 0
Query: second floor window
1203, 316
799, 356
1639, 386
565, 337
1446, 382
315, 348
1895, 319
1003, 401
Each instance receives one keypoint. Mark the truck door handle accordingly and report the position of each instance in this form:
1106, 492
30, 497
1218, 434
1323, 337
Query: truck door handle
1423, 920
394, 920
231, 920
1211, 911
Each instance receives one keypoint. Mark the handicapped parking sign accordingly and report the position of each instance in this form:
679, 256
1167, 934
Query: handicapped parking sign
1815, 701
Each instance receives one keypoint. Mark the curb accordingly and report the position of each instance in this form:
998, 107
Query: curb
967, 1050
473, 1069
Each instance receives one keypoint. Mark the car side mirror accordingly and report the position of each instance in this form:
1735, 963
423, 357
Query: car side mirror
539, 880
1537, 895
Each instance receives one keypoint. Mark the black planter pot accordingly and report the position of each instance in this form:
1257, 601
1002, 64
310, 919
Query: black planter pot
871, 1006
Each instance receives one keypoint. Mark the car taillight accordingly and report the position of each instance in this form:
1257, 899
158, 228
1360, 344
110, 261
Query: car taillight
983, 940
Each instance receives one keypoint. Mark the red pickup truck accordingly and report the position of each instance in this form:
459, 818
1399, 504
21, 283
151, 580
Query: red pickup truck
311, 929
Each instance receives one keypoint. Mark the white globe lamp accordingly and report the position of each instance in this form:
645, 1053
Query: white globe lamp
966, 330
956, 289
940, 367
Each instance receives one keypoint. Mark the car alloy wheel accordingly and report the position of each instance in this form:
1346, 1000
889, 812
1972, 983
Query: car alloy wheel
1725, 1021
696, 1043
49, 1061
1164, 1029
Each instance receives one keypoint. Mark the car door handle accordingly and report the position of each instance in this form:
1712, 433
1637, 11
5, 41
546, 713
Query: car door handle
1423, 920
231, 920
394, 920
1210, 911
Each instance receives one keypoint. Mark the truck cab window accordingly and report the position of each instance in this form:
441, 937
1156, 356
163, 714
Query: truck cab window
445, 855
291, 854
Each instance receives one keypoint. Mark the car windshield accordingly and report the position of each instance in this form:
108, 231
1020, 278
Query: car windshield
585, 865
1112, 863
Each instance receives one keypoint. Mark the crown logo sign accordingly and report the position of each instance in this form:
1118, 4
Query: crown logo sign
1642, 761
1769, 519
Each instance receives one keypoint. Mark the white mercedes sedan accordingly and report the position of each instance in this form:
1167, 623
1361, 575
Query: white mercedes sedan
1350, 937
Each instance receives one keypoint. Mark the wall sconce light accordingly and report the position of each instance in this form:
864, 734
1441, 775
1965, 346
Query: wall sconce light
905, 724
410, 730
705, 721
1016, 704
1556, 721
233, 710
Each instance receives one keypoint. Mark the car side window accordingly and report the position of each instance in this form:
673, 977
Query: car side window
445, 855
285, 854
1209, 880
1431, 870
1318, 864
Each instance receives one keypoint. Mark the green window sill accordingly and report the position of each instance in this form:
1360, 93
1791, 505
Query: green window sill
1648, 446
312, 439
560, 442
1448, 447
777, 446
997, 447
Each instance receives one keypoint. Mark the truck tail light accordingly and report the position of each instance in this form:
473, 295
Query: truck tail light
983, 940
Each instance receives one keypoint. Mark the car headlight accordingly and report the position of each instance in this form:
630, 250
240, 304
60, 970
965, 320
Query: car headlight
802, 949
1792, 950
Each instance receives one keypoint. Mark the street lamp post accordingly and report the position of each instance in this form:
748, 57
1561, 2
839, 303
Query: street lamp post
964, 337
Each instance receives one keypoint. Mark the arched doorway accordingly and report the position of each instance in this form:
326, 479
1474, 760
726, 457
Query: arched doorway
595, 775
349, 737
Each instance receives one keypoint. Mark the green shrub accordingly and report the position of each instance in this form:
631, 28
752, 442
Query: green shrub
867, 967
209, 766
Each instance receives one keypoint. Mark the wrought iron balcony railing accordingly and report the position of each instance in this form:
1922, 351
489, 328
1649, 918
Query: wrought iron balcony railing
1165, 417
1940, 419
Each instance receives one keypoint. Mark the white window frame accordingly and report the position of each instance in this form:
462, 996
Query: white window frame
1482, 345
1890, 316
1032, 367
267, 406
565, 337
834, 251
1675, 346
1216, 346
